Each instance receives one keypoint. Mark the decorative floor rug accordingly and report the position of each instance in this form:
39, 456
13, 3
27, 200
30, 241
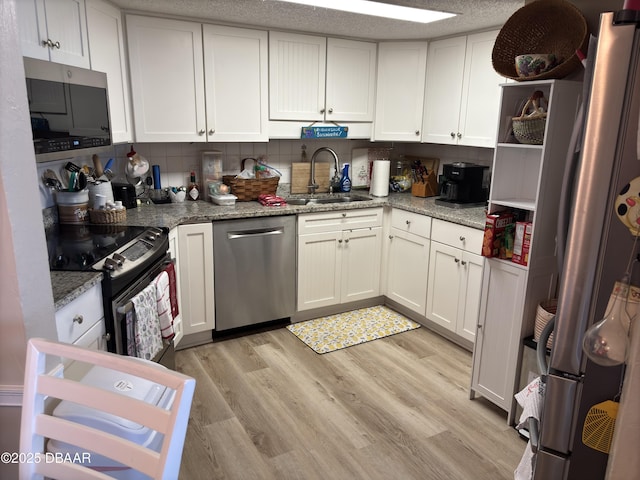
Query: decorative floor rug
335, 332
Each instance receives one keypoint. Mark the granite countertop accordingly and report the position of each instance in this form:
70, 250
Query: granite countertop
172, 214
69, 285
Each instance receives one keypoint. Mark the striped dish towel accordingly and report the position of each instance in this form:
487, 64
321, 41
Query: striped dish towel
163, 298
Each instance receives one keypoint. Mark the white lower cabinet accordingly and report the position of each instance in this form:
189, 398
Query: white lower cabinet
455, 278
174, 252
408, 259
340, 261
195, 247
76, 319
495, 356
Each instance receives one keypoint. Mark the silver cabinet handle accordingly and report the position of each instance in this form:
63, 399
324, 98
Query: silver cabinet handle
417, 132
453, 135
462, 239
107, 336
344, 214
479, 326
212, 131
459, 135
346, 241
340, 241
322, 110
78, 319
201, 132
47, 43
457, 260
390, 237
463, 263
408, 222
57, 45
330, 110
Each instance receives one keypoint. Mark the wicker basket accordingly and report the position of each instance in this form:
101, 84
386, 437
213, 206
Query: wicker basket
545, 312
107, 216
542, 26
529, 127
248, 189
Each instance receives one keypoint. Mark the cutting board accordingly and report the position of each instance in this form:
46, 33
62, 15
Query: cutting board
300, 173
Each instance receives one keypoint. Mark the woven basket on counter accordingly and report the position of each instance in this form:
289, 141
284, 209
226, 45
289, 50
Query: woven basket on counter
529, 127
107, 216
248, 189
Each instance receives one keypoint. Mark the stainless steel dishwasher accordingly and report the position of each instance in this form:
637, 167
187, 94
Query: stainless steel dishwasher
254, 268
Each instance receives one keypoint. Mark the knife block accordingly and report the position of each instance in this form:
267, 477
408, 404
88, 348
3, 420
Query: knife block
429, 188
301, 172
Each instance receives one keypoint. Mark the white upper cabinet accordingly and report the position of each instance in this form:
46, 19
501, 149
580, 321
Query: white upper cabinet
351, 77
236, 76
106, 45
184, 92
462, 92
400, 90
54, 30
167, 79
318, 79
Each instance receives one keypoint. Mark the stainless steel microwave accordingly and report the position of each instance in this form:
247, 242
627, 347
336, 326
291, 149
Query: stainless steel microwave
69, 110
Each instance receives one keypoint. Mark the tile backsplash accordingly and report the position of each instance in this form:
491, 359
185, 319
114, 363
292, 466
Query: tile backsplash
177, 160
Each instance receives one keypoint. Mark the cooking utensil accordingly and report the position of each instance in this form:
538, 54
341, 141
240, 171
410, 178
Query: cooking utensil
82, 181
73, 178
72, 167
97, 166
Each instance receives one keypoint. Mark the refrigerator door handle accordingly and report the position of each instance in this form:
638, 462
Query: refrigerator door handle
558, 413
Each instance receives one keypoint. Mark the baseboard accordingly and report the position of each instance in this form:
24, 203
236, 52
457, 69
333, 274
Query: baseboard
11, 395
334, 309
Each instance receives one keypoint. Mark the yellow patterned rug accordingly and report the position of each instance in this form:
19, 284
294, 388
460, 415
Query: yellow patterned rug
327, 334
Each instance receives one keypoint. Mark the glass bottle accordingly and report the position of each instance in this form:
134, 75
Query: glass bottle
192, 191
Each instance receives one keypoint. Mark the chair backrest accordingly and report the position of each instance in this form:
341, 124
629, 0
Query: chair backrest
37, 424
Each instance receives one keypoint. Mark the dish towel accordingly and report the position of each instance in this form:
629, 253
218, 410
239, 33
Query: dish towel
146, 326
530, 399
163, 305
173, 293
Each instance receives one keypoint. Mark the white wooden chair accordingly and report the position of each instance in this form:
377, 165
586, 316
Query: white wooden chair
37, 425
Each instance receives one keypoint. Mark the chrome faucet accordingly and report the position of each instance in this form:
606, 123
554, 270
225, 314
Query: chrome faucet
335, 181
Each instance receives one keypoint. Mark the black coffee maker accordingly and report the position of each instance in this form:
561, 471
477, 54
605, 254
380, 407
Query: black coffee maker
463, 185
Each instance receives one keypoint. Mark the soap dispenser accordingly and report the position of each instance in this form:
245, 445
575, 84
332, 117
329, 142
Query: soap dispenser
345, 181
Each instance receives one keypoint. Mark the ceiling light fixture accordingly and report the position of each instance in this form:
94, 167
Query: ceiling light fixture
378, 9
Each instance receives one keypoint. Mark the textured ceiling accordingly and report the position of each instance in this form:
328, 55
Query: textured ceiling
272, 14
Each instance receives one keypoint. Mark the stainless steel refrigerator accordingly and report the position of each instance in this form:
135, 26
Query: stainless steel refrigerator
598, 249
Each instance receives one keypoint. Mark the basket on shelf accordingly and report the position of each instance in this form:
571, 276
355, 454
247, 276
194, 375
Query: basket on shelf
107, 216
248, 189
541, 26
545, 312
529, 127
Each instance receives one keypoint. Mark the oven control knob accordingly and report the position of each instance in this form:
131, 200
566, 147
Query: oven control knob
119, 259
151, 237
111, 264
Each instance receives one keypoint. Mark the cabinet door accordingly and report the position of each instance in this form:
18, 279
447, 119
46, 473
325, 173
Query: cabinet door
297, 66
445, 70
167, 79
235, 63
174, 252
495, 355
400, 90
195, 243
361, 253
106, 44
64, 22
319, 270
407, 269
470, 292
443, 293
351, 76
480, 101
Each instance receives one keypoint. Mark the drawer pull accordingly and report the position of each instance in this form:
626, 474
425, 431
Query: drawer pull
344, 214
408, 222
390, 237
78, 319
346, 241
457, 260
462, 239
463, 263
340, 241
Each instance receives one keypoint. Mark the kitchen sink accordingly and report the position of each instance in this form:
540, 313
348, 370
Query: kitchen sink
327, 199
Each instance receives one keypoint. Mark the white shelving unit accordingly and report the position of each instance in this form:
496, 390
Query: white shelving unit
526, 178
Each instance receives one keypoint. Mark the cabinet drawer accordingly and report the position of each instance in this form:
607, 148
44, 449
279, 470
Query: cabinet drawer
86, 310
466, 238
411, 222
339, 220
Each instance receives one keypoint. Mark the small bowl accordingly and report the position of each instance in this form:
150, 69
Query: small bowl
533, 64
177, 197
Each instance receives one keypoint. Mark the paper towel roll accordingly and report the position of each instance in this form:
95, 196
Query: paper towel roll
380, 178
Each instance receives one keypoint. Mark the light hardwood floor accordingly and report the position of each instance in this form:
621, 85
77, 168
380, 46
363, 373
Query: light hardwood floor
267, 407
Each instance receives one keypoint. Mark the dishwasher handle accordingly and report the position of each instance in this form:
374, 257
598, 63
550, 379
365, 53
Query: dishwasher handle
258, 232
